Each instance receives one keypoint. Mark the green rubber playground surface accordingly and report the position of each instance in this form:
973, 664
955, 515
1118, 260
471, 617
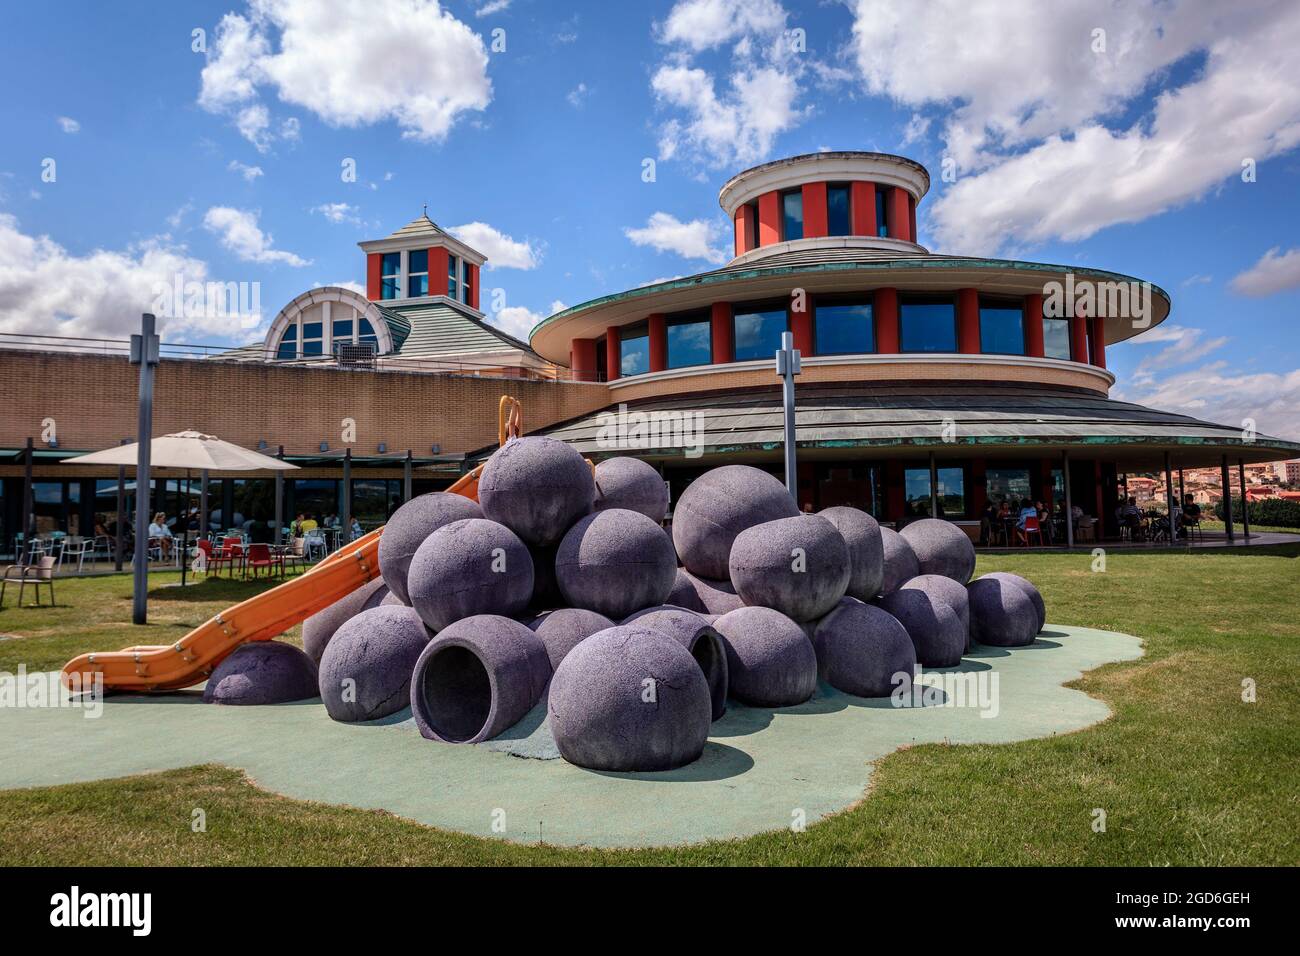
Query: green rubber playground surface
762, 770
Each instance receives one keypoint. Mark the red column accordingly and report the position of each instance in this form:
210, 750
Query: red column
438, 271
769, 218
1033, 319
884, 310
373, 279
979, 487
911, 216
720, 327
814, 211
582, 359
801, 320
968, 321
744, 230
613, 354
899, 218
862, 207
658, 342
1078, 339
1099, 342
473, 286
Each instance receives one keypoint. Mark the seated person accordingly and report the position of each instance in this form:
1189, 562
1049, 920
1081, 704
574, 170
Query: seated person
158, 530
308, 524
1191, 510
1027, 511
987, 517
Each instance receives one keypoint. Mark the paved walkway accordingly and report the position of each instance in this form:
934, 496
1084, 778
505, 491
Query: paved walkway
760, 769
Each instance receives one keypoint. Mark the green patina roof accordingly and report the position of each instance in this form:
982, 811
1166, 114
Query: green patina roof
440, 329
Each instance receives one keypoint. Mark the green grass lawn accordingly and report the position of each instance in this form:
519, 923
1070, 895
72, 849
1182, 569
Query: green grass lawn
1187, 772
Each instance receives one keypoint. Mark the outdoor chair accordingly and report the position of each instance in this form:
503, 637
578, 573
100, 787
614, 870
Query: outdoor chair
79, 549
259, 556
36, 574
1031, 528
314, 542
1192, 527
294, 555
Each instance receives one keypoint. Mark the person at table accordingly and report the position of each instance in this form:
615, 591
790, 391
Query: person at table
1045, 522
1027, 511
987, 517
1130, 516
308, 524
101, 530
355, 531
332, 521
1191, 510
159, 531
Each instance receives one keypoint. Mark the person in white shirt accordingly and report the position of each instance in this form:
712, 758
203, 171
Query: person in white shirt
158, 530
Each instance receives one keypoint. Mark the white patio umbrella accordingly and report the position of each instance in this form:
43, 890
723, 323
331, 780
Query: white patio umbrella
192, 451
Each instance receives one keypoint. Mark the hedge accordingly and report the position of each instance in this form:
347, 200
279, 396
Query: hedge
1275, 512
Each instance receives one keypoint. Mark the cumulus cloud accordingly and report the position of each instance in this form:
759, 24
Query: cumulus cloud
69, 125
47, 290
1216, 393
238, 231
338, 212
1045, 117
1276, 271
664, 232
502, 251
1182, 346
733, 116
351, 64
519, 321
491, 7
248, 172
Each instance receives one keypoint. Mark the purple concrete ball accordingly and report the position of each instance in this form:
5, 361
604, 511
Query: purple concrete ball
365, 672
564, 629
719, 505
695, 633
478, 677
1002, 614
321, 626
702, 595
615, 562
941, 548
798, 566
410, 525
633, 485
629, 699
1033, 592
863, 650
262, 672
934, 627
861, 534
948, 591
468, 567
770, 661
900, 561
537, 487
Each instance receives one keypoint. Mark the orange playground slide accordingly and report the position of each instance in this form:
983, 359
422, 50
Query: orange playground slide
191, 659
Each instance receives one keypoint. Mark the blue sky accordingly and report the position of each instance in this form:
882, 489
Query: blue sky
1121, 150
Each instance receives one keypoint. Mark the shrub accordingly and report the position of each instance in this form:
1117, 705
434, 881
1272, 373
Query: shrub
1274, 512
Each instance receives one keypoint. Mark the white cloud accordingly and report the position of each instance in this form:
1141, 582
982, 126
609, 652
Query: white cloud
691, 240
578, 95
502, 251
406, 61
338, 212
356, 287
1276, 271
248, 172
491, 7
1028, 104
704, 24
239, 232
1197, 279
1183, 346
1217, 394
69, 125
47, 290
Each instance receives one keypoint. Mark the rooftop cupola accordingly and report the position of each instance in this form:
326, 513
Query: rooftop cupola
421, 262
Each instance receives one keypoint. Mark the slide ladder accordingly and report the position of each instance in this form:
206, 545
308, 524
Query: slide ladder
264, 616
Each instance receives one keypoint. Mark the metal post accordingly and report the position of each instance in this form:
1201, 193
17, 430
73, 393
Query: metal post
788, 366
1226, 485
29, 506
1245, 505
185, 533
144, 352
1182, 487
278, 538
934, 488
347, 495
1069, 502
119, 529
407, 467
1169, 500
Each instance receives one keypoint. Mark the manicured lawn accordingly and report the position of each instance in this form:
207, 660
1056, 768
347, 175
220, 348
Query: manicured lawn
1186, 772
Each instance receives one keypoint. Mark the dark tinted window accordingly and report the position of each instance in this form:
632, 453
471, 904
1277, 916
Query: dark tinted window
927, 326
690, 341
758, 334
1002, 328
837, 211
792, 215
844, 328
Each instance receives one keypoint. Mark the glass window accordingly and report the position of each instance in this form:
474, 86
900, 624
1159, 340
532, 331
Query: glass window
366, 333
928, 325
838, 222
757, 335
374, 500
288, 343
951, 492
844, 328
453, 270
690, 341
1007, 484
417, 272
882, 222
634, 352
341, 330
1002, 328
466, 271
313, 338
792, 215
1056, 338
317, 498
390, 275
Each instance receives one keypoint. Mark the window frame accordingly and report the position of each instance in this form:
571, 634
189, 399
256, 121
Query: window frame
1002, 304
847, 190
905, 301
678, 319
390, 280
412, 274
627, 333
831, 302
755, 308
785, 195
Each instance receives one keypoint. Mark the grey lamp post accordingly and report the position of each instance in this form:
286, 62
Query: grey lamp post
144, 353
788, 366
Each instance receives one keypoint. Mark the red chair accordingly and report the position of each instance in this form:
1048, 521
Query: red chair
232, 551
259, 556
210, 559
1031, 527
